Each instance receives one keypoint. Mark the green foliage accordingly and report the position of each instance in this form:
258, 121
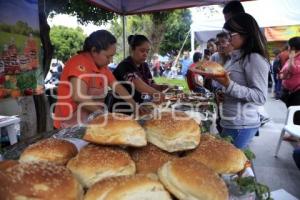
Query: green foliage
116, 29
178, 25
66, 41
249, 184
249, 154
26, 80
228, 138
176, 82
171, 26
5, 38
136, 24
82, 9
21, 28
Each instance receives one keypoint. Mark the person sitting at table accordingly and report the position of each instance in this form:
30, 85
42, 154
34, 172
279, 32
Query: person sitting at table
135, 70
85, 80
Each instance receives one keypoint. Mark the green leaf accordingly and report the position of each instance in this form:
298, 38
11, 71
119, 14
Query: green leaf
249, 154
249, 184
228, 138
84, 11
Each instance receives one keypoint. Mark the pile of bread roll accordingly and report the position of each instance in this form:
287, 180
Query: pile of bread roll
166, 158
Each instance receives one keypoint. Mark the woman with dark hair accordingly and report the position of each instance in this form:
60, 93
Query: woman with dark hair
85, 80
246, 80
135, 71
290, 75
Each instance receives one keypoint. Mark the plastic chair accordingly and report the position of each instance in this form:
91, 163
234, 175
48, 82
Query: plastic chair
289, 127
12, 126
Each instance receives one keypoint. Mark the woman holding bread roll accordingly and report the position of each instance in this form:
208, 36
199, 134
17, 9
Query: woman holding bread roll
245, 83
85, 80
135, 70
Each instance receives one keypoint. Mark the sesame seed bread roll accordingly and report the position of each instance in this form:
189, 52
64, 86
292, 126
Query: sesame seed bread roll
137, 187
4, 186
49, 150
5, 164
188, 179
115, 129
150, 158
219, 155
94, 163
210, 68
174, 131
39, 180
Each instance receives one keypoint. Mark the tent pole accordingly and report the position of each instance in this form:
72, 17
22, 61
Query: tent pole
178, 55
124, 36
192, 41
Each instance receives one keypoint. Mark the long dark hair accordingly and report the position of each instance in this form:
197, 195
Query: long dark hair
246, 25
100, 39
136, 40
294, 43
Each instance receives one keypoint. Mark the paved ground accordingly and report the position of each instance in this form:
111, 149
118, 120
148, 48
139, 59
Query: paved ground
281, 172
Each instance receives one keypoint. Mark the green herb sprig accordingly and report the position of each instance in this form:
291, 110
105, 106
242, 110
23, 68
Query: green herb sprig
249, 184
249, 154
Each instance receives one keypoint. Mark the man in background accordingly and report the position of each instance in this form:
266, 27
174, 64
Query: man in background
185, 63
55, 74
232, 8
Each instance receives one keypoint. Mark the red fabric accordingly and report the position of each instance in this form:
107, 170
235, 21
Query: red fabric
293, 82
190, 76
78, 65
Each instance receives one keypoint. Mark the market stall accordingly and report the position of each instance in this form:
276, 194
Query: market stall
102, 158
192, 121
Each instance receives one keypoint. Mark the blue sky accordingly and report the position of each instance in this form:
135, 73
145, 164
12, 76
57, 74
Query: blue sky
12, 11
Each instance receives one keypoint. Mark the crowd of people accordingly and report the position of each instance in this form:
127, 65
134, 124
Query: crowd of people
240, 48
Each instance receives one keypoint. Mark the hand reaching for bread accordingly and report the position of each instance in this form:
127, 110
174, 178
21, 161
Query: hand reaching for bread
219, 97
223, 80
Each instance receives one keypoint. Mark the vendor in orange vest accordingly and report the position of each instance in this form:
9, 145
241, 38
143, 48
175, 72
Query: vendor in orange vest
85, 80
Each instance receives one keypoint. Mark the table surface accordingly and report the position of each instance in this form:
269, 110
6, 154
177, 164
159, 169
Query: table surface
13, 152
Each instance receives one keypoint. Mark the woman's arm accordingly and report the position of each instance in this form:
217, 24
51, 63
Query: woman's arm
123, 93
160, 87
143, 87
256, 75
79, 95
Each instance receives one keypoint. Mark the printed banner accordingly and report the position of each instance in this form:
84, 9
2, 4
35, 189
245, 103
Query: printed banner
20, 69
281, 33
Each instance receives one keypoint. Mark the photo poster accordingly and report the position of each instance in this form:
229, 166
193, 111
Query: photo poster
20, 49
